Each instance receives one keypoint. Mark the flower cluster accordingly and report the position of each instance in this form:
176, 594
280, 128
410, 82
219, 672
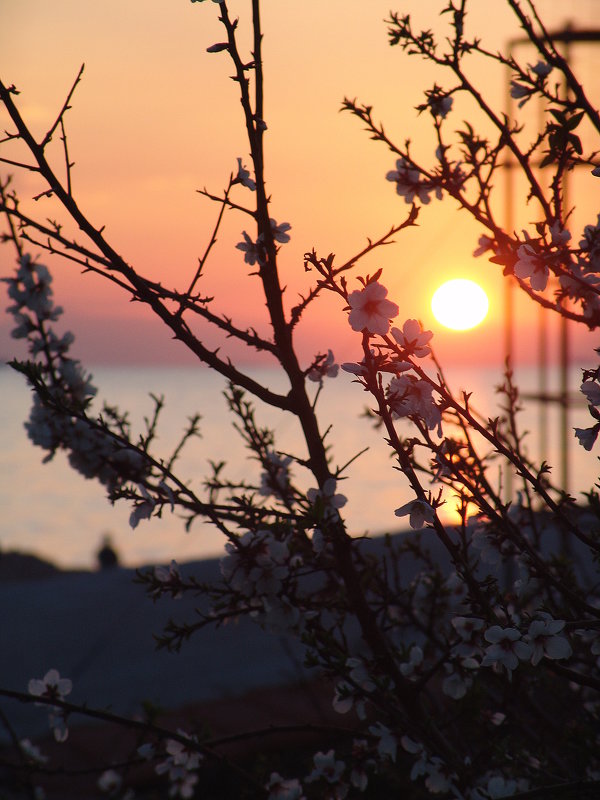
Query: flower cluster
57, 418
408, 178
275, 479
323, 367
411, 396
180, 766
53, 687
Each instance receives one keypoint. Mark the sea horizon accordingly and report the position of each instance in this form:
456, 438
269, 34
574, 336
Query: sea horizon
53, 512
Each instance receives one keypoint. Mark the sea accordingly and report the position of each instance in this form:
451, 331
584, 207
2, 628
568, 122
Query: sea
52, 511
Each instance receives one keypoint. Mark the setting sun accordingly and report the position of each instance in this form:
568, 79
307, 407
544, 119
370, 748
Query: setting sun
459, 304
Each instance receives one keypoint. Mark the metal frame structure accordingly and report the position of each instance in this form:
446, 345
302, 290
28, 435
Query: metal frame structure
562, 398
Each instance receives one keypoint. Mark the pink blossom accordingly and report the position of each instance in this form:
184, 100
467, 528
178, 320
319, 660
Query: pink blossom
413, 338
530, 265
323, 368
410, 396
370, 310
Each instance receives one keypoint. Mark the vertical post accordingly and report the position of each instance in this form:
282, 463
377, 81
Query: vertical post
509, 310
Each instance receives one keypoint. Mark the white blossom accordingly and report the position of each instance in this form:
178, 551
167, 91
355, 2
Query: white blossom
109, 781
506, 648
545, 642
326, 499
541, 69
253, 251
419, 513
280, 232
243, 177
387, 746
326, 767
519, 90
32, 751
284, 788
275, 479
408, 182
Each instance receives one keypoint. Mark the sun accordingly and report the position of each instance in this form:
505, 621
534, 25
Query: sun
459, 304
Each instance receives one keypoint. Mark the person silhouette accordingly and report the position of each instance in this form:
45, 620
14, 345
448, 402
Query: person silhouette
106, 555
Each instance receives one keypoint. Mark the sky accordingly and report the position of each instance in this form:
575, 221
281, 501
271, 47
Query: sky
156, 118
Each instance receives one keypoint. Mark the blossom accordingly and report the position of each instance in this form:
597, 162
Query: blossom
252, 250
180, 765
325, 499
32, 751
419, 513
412, 338
275, 480
110, 781
541, 69
440, 105
506, 648
387, 745
51, 686
587, 436
243, 177
530, 265
326, 767
590, 245
559, 236
355, 368
499, 786
408, 183
169, 579
415, 659
411, 396
345, 694
280, 232
485, 243
591, 390
283, 788
518, 91
323, 368
143, 508
543, 638
454, 684
370, 310
257, 566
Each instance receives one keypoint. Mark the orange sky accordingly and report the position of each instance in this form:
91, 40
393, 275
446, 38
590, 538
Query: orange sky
156, 118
